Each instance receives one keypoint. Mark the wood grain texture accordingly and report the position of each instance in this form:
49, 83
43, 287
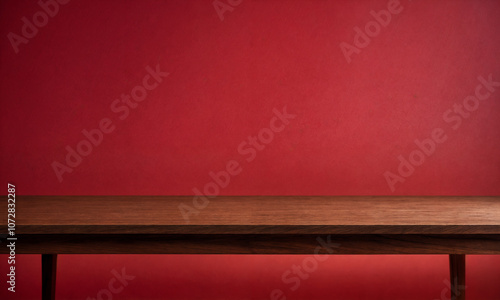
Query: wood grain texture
257, 215
257, 244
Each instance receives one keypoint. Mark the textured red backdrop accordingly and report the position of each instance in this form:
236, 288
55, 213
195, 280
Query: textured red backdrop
353, 120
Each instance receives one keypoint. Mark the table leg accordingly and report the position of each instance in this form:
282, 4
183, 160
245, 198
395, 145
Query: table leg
49, 267
457, 276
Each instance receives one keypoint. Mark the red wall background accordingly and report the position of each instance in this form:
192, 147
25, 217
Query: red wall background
225, 78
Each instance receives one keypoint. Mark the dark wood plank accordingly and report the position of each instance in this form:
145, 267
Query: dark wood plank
258, 214
258, 244
49, 268
457, 276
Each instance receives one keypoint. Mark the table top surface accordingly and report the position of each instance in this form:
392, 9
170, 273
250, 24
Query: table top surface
257, 215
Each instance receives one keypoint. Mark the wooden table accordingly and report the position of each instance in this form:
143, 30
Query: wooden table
51, 225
